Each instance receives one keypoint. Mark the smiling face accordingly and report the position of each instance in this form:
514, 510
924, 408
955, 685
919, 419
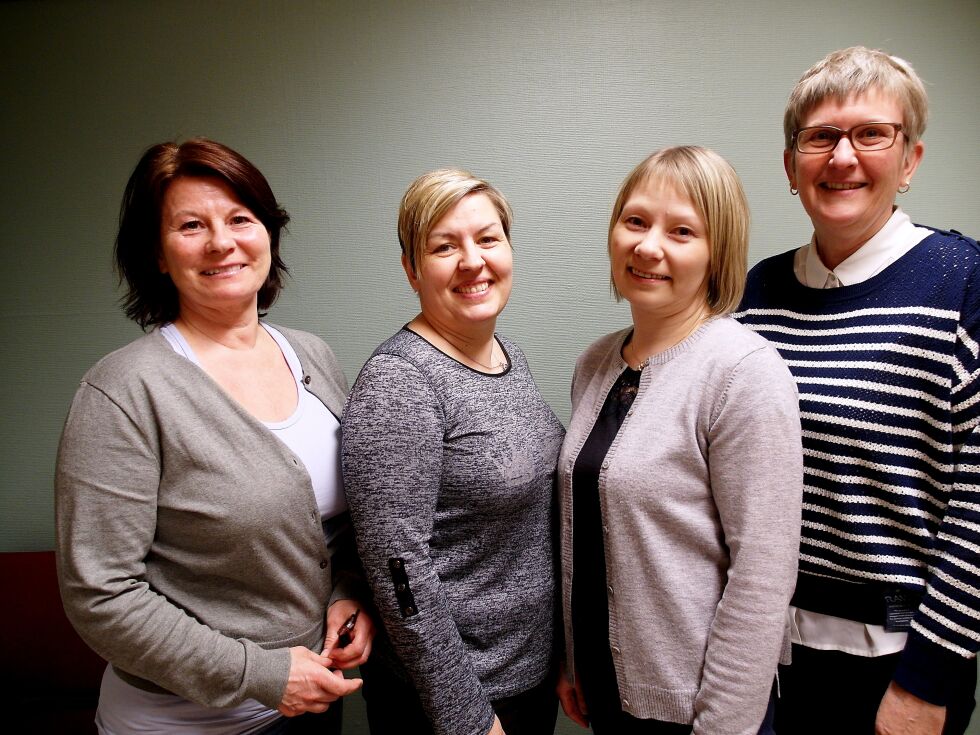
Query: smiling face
659, 253
464, 276
849, 194
215, 250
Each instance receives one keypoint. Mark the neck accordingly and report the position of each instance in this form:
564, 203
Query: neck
835, 245
476, 345
652, 335
238, 331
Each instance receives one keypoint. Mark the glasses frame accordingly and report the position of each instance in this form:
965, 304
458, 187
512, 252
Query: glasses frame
844, 134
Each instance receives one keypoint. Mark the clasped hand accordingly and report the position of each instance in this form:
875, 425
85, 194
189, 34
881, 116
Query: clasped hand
316, 679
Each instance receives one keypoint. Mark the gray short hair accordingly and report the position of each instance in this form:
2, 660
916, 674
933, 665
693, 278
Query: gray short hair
852, 71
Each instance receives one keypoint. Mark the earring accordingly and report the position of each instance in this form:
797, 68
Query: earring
904, 187
793, 190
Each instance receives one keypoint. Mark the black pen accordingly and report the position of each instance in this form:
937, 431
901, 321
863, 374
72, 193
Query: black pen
345, 630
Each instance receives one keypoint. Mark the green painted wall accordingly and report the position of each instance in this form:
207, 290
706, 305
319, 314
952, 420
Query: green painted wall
341, 104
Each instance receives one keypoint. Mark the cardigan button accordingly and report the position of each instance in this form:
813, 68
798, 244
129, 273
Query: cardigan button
605, 465
323, 564
307, 379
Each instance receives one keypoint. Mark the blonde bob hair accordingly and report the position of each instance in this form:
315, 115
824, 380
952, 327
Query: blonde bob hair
430, 197
854, 71
714, 189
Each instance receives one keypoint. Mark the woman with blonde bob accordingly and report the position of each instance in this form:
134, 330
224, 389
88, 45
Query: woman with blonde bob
681, 474
449, 456
878, 319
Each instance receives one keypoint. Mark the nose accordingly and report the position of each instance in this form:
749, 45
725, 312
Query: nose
471, 257
221, 239
651, 246
843, 154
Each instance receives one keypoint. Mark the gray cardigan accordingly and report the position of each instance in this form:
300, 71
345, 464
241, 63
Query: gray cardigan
451, 472
190, 549
700, 495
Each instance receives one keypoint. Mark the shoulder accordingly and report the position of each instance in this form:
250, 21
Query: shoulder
140, 360
400, 365
946, 244
740, 353
602, 350
769, 272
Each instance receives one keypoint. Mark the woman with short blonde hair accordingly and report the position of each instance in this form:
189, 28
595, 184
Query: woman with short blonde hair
680, 476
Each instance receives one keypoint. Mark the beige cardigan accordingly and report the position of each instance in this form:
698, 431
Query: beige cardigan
700, 495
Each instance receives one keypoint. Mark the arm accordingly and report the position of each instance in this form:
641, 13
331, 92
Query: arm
392, 458
756, 470
945, 631
106, 489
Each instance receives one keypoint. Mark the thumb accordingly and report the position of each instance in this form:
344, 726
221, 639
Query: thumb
342, 686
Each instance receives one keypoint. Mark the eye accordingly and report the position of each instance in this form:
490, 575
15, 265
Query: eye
489, 240
684, 231
191, 225
241, 219
442, 248
634, 222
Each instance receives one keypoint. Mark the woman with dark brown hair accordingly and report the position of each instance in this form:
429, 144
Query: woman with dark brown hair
203, 540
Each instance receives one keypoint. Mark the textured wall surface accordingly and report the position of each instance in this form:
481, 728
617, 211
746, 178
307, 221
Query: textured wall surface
342, 103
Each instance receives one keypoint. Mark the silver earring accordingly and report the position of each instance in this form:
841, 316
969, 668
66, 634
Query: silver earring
792, 190
904, 187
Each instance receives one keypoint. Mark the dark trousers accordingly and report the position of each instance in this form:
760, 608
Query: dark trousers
393, 707
833, 692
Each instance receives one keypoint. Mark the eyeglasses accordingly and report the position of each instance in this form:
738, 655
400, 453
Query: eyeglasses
872, 136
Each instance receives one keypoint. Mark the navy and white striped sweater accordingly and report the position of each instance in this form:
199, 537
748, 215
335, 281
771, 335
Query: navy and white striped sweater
888, 373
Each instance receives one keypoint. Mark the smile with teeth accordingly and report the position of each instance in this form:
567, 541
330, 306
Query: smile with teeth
841, 186
648, 276
473, 288
223, 270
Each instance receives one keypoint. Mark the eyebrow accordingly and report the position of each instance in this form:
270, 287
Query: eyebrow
440, 233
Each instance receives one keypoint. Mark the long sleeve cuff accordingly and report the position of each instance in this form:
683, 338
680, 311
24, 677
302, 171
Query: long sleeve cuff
929, 671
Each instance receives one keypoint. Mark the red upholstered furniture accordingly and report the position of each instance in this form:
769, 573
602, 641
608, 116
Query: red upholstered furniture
49, 678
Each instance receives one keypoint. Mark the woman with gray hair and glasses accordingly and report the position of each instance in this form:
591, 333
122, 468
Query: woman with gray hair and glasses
878, 319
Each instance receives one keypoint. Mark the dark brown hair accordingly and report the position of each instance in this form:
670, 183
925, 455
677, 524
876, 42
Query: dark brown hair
151, 297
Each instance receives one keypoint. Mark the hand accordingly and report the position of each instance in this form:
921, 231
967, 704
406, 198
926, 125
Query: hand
903, 713
571, 698
357, 651
497, 728
312, 686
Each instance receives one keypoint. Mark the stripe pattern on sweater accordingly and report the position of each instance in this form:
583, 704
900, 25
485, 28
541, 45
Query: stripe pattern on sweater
888, 373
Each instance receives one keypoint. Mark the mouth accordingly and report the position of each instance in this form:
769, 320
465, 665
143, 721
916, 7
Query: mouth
472, 288
841, 185
647, 276
223, 270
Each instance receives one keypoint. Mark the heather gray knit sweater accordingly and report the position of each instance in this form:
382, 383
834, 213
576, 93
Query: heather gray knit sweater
700, 494
449, 477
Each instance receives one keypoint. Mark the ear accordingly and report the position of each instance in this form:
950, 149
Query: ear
912, 160
789, 164
413, 280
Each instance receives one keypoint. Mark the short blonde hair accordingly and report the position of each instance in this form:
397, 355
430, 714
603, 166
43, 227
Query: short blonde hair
853, 71
714, 189
430, 197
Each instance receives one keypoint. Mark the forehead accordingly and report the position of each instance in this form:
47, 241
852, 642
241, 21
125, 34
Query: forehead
873, 105
473, 210
656, 189
188, 191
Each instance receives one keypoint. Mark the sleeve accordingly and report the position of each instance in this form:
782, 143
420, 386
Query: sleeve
945, 631
755, 462
392, 458
106, 488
